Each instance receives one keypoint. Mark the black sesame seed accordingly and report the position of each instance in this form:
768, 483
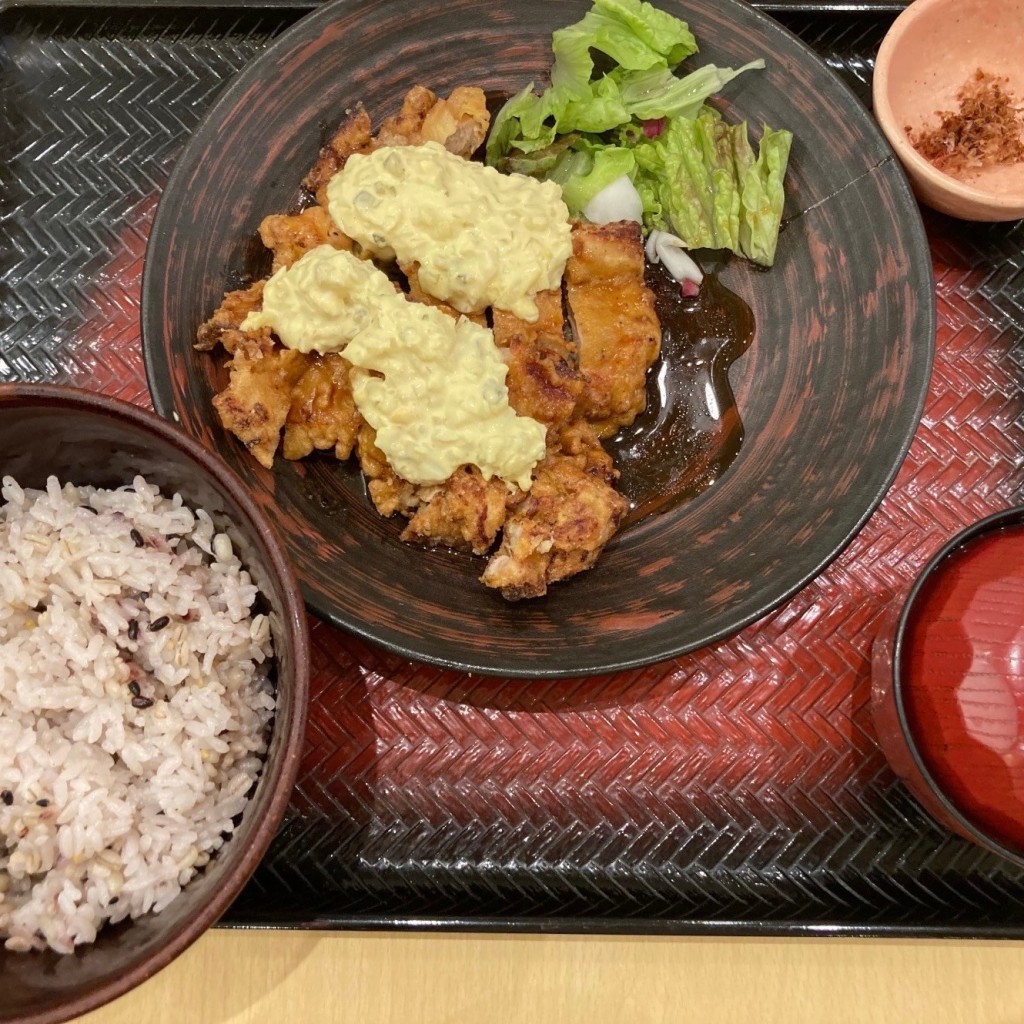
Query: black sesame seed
142, 703
134, 689
137, 538
42, 803
113, 900
7, 796
158, 624
133, 629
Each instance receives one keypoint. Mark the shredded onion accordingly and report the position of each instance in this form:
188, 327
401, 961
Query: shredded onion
617, 201
664, 247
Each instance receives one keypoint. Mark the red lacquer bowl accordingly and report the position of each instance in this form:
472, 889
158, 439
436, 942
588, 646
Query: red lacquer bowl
948, 685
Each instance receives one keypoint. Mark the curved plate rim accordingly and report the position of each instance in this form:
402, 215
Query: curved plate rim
916, 379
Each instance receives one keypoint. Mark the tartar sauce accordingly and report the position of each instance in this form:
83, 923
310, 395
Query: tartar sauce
321, 301
481, 238
442, 401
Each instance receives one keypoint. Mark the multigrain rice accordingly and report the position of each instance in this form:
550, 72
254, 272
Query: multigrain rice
134, 704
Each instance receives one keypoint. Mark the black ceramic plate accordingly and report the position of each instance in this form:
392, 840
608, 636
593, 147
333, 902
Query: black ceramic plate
830, 392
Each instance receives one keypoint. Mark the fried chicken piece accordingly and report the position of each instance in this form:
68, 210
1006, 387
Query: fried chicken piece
291, 236
549, 325
354, 136
255, 404
558, 530
404, 128
579, 438
542, 381
388, 491
466, 512
224, 326
614, 321
458, 123
322, 413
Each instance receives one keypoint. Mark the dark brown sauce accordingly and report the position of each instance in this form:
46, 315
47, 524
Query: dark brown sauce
691, 431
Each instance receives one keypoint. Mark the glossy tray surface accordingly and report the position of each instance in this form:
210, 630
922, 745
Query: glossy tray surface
736, 789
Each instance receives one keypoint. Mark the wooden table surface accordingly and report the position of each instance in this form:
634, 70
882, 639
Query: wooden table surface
242, 977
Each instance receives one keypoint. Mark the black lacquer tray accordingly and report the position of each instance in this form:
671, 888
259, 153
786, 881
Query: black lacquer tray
735, 790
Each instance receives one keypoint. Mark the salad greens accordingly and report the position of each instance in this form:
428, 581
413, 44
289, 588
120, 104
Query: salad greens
629, 113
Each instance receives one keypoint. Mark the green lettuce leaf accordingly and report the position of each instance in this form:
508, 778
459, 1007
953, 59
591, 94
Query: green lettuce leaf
701, 180
633, 33
601, 110
648, 95
763, 196
520, 121
538, 163
583, 174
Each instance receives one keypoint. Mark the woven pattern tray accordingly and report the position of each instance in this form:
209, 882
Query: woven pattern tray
735, 790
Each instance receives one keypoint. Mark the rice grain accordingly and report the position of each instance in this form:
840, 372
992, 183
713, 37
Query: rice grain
113, 797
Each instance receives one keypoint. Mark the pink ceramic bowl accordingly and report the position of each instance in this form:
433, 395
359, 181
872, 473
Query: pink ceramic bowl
932, 49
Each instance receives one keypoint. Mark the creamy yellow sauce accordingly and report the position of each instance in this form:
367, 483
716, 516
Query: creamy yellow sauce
481, 238
442, 401
321, 301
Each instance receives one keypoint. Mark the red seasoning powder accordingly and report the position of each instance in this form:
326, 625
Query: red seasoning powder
986, 129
